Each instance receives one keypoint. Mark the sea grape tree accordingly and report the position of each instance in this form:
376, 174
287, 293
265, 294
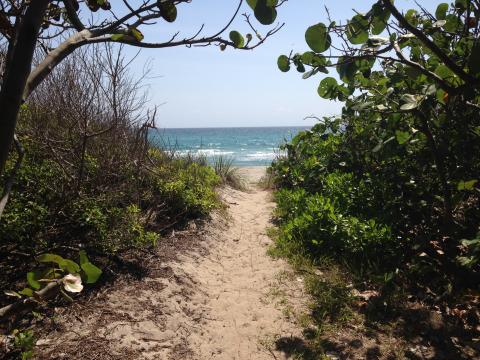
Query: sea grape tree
53, 29
415, 74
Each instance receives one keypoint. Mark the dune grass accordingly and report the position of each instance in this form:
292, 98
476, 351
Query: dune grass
228, 173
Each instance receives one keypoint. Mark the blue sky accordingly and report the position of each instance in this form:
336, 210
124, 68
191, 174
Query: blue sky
204, 87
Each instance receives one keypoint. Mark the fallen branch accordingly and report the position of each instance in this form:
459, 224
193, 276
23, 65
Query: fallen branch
23, 305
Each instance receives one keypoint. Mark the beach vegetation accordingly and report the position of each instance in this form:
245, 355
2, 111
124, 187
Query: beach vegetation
228, 172
389, 188
90, 181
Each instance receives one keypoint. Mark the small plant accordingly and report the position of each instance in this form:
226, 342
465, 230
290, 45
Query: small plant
225, 169
24, 341
62, 275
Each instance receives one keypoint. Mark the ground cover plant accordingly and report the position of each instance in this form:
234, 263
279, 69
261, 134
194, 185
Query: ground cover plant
389, 188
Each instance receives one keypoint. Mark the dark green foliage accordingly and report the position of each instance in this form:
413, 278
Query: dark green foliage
392, 183
45, 210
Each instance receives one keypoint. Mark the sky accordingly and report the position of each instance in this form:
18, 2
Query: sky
205, 87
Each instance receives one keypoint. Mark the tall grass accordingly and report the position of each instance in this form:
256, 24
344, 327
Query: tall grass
228, 173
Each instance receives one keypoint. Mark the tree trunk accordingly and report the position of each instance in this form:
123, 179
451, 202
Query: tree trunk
18, 67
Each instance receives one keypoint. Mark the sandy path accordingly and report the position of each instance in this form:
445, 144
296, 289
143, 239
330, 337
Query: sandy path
214, 306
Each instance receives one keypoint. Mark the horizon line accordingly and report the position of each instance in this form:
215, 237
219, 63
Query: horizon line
232, 127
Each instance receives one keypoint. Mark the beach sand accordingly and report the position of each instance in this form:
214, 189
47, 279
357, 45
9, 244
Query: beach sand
252, 174
223, 299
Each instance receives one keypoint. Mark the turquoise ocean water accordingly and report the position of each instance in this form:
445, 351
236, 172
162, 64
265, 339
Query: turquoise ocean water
250, 146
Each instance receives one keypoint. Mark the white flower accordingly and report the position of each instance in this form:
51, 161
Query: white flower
72, 283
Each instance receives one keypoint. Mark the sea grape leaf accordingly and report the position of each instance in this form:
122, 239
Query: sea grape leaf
117, 37
380, 19
318, 38
357, 30
137, 34
50, 258
32, 280
168, 11
283, 63
346, 69
328, 88
69, 266
237, 39
265, 12
441, 11
91, 271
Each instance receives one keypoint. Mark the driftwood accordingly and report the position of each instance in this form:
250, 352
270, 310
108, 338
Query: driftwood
21, 306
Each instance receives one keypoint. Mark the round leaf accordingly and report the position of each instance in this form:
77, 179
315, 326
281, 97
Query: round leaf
265, 12
357, 30
318, 38
91, 271
328, 88
441, 11
168, 11
283, 63
379, 19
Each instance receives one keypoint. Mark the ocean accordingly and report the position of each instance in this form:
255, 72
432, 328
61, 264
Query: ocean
247, 146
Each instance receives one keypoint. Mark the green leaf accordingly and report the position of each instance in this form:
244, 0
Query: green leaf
32, 280
64, 264
117, 37
300, 68
237, 39
357, 30
69, 266
453, 23
318, 38
26, 292
253, 3
441, 11
91, 271
444, 72
328, 88
310, 58
466, 185
346, 69
265, 12
412, 17
402, 136
461, 5
380, 19
137, 34
50, 258
283, 63
310, 73
168, 11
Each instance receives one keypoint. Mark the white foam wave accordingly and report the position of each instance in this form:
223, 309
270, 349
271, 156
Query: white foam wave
205, 152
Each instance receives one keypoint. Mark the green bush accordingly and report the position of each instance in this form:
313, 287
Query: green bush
316, 224
47, 210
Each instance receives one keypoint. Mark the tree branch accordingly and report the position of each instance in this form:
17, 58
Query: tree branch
11, 179
430, 44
